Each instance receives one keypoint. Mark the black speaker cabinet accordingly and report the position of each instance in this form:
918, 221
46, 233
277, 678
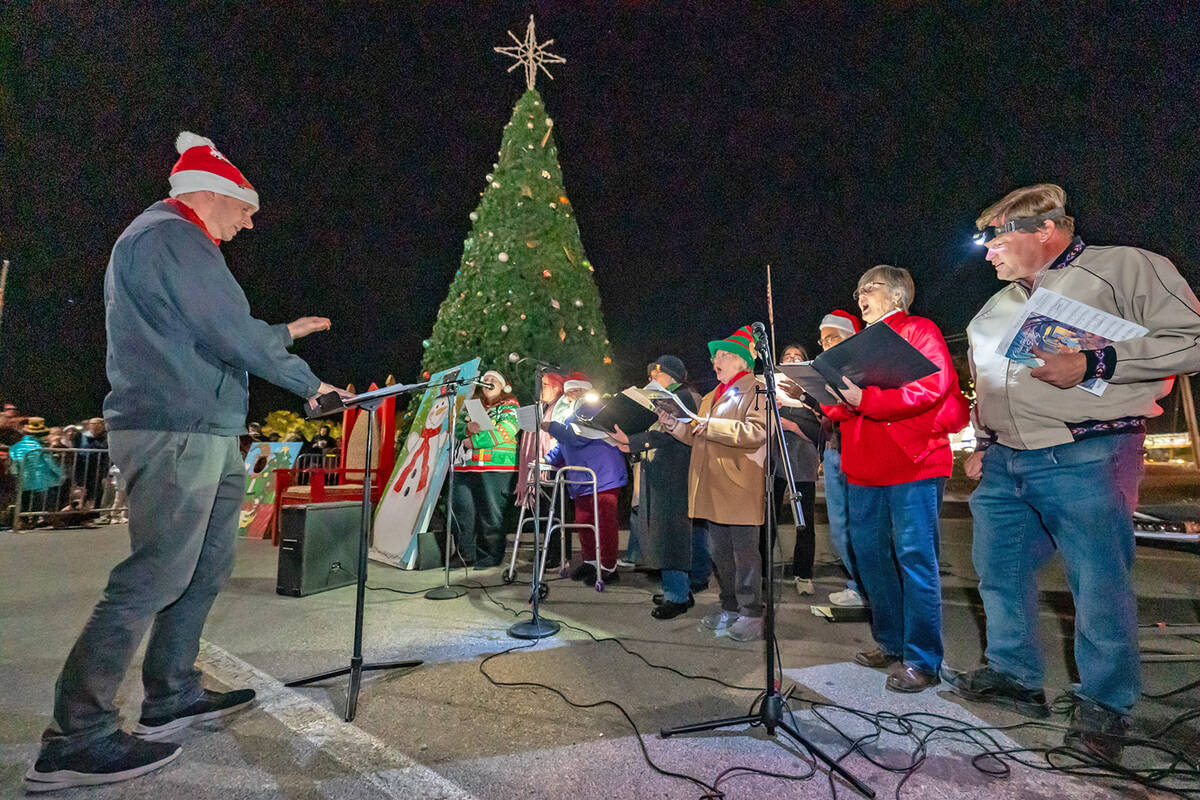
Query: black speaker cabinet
318, 547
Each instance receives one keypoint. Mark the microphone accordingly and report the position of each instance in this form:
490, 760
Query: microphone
485, 384
760, 335
546, 365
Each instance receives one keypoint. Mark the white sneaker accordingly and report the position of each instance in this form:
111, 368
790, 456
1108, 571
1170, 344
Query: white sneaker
746, 629
719, 621
625, 564
847, 598
804, 587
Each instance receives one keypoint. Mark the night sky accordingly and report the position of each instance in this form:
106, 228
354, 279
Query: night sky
698, 143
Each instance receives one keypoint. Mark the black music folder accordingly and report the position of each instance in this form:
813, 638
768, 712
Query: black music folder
875, 356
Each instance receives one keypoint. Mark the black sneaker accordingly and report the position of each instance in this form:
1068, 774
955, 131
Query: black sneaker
986, 685
607, 576
210, 706
660, 599
117, 757
1096, 730
669, 610
584, 572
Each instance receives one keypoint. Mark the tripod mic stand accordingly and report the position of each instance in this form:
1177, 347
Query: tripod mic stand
446, 591
770, 714
538, 627
369, 402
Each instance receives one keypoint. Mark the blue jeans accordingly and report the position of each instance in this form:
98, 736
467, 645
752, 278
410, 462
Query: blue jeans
676, 583
837, 507
185, 491
633, 552
1079, 499
894, 535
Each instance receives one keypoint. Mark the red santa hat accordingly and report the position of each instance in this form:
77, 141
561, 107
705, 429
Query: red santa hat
842, 320
202, 168
577, 380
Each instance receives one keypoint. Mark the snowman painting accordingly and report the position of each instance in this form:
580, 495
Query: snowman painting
412, 492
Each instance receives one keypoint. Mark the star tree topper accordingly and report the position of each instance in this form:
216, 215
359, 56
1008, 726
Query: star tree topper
532, 54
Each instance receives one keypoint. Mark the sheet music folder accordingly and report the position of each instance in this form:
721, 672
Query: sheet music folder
620, 409
875, 356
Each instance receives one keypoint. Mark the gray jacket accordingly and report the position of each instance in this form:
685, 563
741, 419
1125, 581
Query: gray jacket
180, 336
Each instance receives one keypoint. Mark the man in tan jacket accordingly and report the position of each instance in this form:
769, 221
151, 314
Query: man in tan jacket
1059, 466
726, 482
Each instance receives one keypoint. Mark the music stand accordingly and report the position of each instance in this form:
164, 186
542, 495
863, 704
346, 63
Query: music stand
770, 714
325, 405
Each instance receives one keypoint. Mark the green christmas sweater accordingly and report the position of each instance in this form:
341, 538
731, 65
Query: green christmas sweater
493, 451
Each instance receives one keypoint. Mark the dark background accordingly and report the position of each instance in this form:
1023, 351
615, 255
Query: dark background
697, 144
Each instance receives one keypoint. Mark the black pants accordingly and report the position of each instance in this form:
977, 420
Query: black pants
479, 500
806, 540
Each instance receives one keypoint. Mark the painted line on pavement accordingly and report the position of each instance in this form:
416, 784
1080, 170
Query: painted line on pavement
389, 771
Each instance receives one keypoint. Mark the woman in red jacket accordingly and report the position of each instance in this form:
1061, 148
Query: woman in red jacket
896, 455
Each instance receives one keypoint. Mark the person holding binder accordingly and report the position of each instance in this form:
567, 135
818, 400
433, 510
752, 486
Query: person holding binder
896, 457
726, 476
1059, 466
669, 541
483, 485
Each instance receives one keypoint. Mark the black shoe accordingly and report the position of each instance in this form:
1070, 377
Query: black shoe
609, 578
660, 600
986, 685
1096, 730
210, 706
584, 572
670, 610
117, 757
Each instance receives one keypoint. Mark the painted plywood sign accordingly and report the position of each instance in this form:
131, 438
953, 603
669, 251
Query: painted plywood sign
258, 503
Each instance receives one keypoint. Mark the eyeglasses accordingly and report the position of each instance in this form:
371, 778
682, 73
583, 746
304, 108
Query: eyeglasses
827, 342
868, 288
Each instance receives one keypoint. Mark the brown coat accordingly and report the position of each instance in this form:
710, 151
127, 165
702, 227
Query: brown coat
725, 475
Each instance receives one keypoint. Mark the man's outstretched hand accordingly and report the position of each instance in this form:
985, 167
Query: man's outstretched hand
306, 325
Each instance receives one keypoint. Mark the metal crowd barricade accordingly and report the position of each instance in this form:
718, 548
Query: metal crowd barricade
65, 487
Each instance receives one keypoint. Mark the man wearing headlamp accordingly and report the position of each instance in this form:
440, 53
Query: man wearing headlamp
1059, 467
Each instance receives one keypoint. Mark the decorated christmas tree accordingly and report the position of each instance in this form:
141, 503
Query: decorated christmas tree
524, 287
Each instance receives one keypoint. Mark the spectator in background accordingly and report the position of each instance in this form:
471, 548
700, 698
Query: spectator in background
10, 425
37, 471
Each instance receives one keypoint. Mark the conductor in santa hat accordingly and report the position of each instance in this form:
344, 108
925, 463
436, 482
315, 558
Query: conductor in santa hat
181, 342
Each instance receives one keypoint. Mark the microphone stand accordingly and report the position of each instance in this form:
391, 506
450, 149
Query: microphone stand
446, 591
770, 714
538, 627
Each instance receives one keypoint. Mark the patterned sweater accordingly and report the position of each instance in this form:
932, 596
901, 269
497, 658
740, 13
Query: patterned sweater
492, 451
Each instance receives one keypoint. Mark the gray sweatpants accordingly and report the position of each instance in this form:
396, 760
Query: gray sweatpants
185, 491
738, 566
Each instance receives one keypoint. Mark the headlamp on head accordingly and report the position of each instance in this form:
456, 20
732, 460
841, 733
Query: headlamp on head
1024, 224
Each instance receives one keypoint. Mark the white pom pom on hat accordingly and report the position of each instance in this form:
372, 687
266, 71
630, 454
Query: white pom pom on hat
202, 168
186, 140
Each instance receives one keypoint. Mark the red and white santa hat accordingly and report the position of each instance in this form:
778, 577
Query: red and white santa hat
202, 168
577, 380
842, 320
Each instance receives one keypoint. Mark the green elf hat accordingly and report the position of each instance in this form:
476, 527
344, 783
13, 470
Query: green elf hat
740, 343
